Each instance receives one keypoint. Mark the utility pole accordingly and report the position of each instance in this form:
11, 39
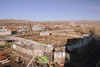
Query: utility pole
30, 27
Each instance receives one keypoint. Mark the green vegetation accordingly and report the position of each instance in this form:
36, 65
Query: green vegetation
42, 44
43, 59
4, 45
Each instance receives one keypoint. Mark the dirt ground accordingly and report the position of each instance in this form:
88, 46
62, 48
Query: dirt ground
54, 40
12, 64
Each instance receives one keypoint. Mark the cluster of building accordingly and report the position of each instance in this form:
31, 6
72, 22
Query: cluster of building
33, 52
7, 31
42, 53
34, 28
10, 30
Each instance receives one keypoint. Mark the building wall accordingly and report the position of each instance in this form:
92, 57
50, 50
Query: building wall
22, 50
38, 28
2, 30
44, 33
59, 57
5, 33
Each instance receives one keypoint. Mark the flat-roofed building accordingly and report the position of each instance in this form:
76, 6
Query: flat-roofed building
38, 28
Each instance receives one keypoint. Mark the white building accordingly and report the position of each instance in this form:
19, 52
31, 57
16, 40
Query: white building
3, 28
38, 28
46, 33
5, 32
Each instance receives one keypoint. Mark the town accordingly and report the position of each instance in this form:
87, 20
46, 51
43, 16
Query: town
46, 44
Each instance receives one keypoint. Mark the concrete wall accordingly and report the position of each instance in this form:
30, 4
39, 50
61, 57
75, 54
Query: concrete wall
22, 50
1, 30
6, 33
59, 57
38, 28
44, 33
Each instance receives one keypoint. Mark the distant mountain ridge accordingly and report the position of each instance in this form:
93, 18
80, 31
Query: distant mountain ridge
26, 21
13, 21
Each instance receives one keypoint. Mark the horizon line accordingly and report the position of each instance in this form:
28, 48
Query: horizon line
47, 20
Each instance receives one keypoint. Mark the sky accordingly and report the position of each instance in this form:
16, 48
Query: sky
50, 10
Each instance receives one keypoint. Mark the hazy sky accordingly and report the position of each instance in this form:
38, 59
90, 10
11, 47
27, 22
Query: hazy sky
50, 9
